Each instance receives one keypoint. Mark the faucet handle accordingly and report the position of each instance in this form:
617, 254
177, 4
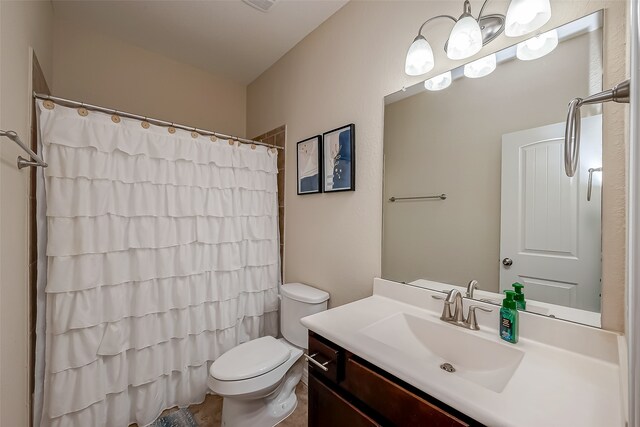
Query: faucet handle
472, 322
471, 287
446, 310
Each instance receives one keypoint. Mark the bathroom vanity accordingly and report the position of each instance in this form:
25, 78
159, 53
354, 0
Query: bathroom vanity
477, 203
354, 392
381, 361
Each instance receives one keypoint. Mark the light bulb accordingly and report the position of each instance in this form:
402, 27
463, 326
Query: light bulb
419, 57
481, 67
439, 82
465, 39
537, 47
526, 16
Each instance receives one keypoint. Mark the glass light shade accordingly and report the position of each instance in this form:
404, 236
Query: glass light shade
439, 82
419, 57
481, 67
465, 39
525, 16
537, 47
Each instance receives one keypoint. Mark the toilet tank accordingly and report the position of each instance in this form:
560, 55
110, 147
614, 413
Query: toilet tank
298, 301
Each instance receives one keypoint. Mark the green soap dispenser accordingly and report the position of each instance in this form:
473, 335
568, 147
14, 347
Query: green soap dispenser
509, 318
519, 297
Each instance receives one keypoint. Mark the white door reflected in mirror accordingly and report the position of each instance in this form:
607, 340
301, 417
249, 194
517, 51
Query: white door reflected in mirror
549, 231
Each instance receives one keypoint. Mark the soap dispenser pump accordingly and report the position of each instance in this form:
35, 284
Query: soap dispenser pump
519, 296
509, 318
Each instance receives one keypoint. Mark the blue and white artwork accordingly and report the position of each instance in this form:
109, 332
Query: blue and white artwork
339, 159
309, 166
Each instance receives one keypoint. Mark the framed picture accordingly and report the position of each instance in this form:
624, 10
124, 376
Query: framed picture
339, 159
309, 158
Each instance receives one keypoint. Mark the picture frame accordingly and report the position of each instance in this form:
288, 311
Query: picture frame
339, 159
309, 165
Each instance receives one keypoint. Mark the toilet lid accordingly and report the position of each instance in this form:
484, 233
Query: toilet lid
251, 359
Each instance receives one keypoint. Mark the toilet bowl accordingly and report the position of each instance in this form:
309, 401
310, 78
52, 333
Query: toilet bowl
257, 379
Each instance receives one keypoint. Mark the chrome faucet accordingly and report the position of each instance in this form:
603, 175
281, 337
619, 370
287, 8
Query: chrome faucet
471, 287
454, 299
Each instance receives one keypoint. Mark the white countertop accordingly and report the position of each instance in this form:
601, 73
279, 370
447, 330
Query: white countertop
569, 376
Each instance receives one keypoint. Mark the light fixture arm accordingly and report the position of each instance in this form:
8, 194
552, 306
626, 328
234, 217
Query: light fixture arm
433, 19
482, 9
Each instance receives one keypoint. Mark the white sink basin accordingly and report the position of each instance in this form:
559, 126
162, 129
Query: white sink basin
476, 359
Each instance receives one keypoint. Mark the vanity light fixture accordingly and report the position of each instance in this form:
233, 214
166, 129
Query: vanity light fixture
439, 82
467, 37
469, 34
526, 16
538, 46
481, 67
419, 57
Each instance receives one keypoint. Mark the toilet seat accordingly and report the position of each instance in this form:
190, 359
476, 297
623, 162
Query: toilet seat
250, 359
257, 383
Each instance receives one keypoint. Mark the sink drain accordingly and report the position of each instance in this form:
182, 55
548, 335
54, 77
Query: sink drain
447, 367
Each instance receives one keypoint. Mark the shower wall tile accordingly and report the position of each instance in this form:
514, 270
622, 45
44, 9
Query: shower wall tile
280, 186
281, 162
281, 195
281, 221
39, 85
277, 137
268, 140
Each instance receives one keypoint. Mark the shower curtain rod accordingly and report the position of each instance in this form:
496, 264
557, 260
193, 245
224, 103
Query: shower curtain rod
158, 122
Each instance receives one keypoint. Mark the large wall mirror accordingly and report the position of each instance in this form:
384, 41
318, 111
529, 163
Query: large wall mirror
474, 185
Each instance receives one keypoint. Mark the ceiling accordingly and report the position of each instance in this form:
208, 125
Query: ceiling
225, 37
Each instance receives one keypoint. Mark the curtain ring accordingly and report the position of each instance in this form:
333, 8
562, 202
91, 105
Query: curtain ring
114, 117
213, 138
231, 142
171, 129
145, 124
194, 134
83, 111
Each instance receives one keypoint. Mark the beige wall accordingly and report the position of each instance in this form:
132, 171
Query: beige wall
428, 133
340, 74
24, 24
102, 70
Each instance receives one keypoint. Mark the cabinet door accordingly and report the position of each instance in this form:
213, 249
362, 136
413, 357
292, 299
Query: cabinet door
328, 409
393, 402
328, 354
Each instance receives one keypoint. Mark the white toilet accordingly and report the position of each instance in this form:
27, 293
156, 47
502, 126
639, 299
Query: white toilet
257, 379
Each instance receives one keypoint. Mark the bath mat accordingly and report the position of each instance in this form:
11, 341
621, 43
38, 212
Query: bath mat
179, 418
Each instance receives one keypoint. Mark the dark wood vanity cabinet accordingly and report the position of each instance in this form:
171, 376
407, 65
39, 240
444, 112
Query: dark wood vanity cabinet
354, 393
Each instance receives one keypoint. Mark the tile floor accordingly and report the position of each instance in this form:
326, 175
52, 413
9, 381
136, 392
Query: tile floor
208, 413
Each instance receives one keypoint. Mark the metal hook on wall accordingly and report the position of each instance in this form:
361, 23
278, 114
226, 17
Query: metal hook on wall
590, 184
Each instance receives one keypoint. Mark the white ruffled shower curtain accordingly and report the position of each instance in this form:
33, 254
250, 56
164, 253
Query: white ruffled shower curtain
162, 253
